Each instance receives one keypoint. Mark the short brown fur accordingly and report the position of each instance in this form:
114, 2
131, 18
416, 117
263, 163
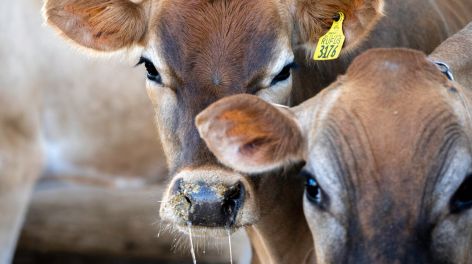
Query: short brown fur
103, 25
252, 125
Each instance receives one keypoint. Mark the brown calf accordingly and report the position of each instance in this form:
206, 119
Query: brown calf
199, 51
388, 155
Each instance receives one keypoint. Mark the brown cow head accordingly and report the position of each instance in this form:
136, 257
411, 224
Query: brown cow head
196, 52
388, 159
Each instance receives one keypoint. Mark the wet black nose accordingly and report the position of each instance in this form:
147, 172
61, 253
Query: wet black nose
213, 205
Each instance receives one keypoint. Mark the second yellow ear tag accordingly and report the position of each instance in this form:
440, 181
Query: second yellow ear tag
330, 44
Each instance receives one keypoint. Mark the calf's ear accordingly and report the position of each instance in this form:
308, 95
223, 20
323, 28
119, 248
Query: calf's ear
313, 18
103, 25
250, 135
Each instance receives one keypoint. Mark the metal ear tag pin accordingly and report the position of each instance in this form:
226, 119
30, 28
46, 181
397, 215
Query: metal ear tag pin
444, 68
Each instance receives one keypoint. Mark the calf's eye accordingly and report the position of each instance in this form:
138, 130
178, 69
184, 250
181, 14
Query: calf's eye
312, 188
284, 74
462, 199
152, 73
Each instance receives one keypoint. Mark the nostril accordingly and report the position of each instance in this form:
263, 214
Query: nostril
188, 199
233, 193
233, 199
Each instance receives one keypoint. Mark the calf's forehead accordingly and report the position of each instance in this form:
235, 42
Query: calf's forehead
387, 127
217, 37
390, 151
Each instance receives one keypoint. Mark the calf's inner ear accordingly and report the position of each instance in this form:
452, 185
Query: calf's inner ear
314, 18
250, 135
103, 25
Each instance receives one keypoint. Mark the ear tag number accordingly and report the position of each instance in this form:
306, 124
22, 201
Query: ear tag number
330, 45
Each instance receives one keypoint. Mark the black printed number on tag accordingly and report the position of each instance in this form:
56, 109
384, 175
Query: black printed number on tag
327, 51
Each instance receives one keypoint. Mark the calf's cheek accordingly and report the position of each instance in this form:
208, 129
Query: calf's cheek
452, 239
164, 101
329, 235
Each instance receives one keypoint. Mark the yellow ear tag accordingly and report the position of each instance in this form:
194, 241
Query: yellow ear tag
330, 45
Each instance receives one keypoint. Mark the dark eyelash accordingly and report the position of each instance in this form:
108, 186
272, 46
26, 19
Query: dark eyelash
141, 61
292, 65
283, 74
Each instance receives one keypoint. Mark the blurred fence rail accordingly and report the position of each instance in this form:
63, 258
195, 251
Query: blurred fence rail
109, 226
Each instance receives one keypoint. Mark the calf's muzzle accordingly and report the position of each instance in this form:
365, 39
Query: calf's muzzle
208, 205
